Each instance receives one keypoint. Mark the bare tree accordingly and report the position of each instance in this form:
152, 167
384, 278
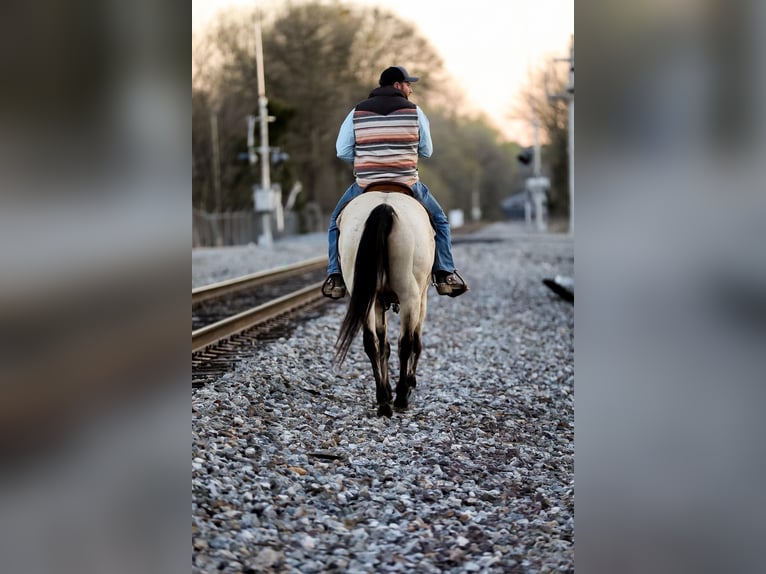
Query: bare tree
536, 100
320, 60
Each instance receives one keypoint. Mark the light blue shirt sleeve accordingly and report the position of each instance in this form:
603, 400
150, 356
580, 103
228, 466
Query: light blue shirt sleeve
425, 146
344, 145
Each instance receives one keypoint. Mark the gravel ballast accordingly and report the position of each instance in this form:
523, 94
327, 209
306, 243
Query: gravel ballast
293, 472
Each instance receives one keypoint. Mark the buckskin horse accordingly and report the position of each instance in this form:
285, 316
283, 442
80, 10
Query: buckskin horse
386, 247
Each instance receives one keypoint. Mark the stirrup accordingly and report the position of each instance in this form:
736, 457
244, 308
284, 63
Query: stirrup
451, 289
333, 291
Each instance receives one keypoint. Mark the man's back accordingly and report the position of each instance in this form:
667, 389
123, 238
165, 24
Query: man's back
386, 143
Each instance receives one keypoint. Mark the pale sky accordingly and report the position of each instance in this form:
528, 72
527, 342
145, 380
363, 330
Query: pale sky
487, 45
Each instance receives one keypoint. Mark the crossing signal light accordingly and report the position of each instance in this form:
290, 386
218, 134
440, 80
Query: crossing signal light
525, 156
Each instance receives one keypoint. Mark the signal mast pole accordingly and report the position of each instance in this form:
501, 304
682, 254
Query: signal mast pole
569, 96
264, 195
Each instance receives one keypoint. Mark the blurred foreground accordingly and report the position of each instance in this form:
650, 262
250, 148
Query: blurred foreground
94, 229
671, 287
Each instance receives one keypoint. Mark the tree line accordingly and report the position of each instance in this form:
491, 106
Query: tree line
320, 60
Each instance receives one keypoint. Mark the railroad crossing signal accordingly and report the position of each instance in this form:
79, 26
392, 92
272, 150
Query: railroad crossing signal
526, 156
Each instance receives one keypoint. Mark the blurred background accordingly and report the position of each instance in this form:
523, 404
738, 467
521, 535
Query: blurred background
94, 221
493, 84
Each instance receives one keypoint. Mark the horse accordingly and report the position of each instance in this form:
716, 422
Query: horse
386, 247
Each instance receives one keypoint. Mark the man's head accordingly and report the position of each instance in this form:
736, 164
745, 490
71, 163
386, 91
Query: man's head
398, 77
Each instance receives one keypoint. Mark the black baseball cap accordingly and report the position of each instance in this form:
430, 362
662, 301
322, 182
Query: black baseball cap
396, 74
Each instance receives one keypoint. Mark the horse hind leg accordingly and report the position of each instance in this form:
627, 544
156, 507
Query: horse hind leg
376, 347
406, 380
417, 347
383, 345
410, 346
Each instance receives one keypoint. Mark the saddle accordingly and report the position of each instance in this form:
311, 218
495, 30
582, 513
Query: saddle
393, 186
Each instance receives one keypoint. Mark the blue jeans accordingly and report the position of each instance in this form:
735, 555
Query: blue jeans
443, 256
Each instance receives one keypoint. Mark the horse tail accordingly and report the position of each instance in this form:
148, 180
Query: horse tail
370, 268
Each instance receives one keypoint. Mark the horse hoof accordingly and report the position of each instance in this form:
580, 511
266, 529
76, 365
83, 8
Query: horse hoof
400, 406
385, 410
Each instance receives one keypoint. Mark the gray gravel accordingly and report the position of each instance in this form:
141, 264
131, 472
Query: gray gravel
213, 264
292, 472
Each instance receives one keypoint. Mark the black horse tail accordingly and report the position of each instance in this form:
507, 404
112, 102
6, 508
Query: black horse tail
370, 268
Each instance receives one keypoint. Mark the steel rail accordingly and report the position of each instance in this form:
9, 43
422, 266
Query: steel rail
206, 292
235, 324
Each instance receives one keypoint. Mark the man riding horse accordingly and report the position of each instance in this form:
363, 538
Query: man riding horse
383, 136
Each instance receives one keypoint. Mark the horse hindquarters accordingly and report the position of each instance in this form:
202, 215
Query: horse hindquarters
386, 243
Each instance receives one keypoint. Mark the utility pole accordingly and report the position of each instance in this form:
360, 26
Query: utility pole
537, 186
475, 202
569, 96
536, 157
263, 196
570, 90
216, 175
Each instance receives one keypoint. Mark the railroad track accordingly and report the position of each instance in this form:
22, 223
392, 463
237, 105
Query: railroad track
230, 317
215, 332
247, 310
221, 301
239, 284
